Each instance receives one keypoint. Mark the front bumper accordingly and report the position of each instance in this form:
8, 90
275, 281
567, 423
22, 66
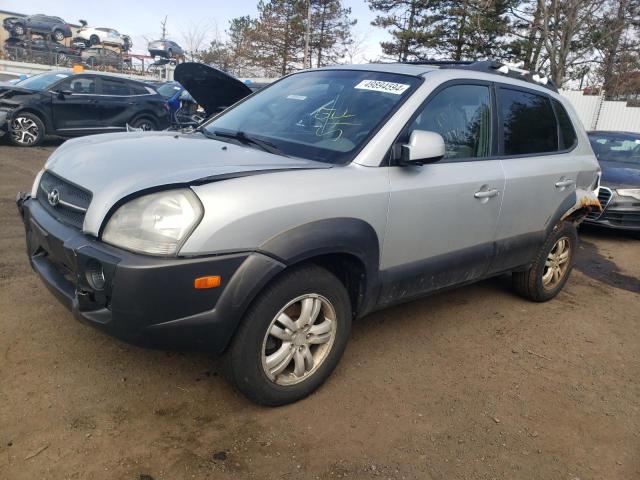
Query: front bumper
147, 301
619, 212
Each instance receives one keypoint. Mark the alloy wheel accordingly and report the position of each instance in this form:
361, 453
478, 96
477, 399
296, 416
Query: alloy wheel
299, 339
557, 263
24, 130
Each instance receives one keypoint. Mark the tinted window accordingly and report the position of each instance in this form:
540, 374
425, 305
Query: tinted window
137, 89
114, 87
568, 136
462, 115
79, 85
528, 121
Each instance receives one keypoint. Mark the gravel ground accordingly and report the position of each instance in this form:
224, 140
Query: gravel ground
475, 383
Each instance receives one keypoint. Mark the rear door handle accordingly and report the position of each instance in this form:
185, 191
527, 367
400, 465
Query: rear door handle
564, 183
486, 193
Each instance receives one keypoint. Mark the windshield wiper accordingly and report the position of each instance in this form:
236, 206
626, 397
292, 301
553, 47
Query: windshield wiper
246, 139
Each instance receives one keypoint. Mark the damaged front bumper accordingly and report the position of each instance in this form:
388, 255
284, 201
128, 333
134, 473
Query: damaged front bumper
144, 300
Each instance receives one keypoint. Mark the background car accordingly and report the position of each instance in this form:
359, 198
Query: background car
165, 48
40, 50
94, 35
103, 57
67, 104
46, 25
619, 157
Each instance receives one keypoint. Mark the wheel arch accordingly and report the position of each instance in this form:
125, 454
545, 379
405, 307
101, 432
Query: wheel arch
347, 247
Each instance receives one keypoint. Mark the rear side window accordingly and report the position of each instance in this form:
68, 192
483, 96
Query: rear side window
568, 137
113, 87
137, 89
528, 122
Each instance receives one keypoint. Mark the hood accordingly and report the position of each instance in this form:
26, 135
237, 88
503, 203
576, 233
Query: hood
11, 95
620, 174
213, 89
115, 165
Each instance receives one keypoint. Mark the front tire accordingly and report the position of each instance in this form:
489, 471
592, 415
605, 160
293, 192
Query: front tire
292, 337
94, 40
27, 130
18, 30
551, 267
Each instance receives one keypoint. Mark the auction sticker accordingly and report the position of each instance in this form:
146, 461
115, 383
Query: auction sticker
379, 86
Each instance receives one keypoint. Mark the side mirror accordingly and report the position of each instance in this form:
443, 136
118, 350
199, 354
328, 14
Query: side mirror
64, 93
423, 147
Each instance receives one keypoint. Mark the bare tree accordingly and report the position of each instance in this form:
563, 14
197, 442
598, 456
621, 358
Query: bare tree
355, 47
197, 35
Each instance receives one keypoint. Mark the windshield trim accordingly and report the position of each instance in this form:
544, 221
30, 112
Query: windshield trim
353, 154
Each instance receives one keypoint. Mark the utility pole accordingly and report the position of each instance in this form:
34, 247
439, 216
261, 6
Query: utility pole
306, 61
164, 28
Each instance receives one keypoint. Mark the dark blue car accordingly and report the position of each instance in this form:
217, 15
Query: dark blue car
619, 195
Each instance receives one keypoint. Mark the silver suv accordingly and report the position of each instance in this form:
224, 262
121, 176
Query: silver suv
330, 194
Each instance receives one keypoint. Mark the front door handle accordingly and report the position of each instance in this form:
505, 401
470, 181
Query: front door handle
486, 193
564, 183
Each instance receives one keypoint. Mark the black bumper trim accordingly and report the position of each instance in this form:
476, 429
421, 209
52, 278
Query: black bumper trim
147, 301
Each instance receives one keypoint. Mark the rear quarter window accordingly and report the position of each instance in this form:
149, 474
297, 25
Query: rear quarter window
528, 122
568, 137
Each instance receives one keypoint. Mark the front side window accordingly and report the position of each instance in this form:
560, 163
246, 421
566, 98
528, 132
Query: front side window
320, 115
80, 85
461, 114
528, 122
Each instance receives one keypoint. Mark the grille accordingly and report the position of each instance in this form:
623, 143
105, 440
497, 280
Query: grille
604, 195
63, 200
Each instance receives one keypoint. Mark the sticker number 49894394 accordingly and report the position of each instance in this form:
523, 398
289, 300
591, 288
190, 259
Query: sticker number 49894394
380, 86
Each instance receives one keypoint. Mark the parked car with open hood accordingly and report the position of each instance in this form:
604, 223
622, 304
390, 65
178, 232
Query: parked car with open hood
66, 104
46, 25
260, 234
213, 89
619, 194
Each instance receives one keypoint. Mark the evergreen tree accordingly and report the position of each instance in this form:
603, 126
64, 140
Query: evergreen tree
330, 31
413, 24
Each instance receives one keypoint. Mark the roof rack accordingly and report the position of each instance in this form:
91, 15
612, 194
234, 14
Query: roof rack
495, 67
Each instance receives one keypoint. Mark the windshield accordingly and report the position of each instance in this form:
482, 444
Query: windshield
616, 147
325, 115
168, 90
42, 81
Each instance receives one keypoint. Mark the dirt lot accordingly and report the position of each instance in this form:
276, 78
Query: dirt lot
474, 383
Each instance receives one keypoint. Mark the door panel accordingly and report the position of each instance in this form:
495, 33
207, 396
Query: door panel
116, 103
439, 232
76, 111
443, 216
539, 179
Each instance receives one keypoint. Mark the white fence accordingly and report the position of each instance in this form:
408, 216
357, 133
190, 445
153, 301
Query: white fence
597, 113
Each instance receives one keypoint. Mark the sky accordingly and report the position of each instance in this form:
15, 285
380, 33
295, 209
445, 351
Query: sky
141, 19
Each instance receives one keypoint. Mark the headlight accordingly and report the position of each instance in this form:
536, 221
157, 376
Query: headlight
156, 224
629, 192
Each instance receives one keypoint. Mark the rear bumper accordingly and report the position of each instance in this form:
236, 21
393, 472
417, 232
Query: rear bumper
147, 301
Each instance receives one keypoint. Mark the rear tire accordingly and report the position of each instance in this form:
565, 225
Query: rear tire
27, 130
277, 370
18, 30
58, 35
145, 124
551, 267
94, 40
